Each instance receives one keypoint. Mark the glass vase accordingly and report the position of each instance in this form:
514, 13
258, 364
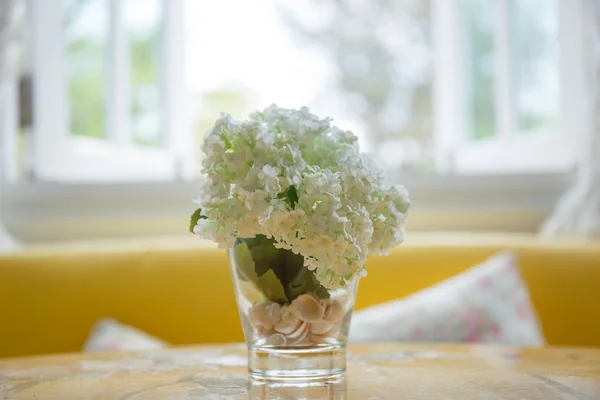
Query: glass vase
295, 328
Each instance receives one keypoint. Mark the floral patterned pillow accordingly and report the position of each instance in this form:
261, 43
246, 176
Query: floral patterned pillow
110, 335
488, 303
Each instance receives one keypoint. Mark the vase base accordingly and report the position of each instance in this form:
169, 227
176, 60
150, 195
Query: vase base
288, 363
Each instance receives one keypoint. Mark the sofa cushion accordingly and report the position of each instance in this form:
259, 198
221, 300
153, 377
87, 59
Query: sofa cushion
163, 286
110, 335
488, 303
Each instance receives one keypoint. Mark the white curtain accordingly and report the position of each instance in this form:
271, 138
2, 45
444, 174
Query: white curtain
578, 211
7, 243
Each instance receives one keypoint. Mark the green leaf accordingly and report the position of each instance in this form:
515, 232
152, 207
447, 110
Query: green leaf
292, 196
195, 218
265, 255
321, 292
271, 287
257, 257
306, 282
244, 262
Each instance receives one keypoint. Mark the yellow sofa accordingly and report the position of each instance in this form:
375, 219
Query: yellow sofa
179, 289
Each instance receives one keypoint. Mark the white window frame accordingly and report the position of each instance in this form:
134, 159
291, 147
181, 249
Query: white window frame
61, 156
508, 152
9, 97
10, 37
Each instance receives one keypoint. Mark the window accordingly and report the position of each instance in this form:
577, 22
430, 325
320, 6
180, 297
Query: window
366, 64
113, 97
465, 86
106, 89
503, 96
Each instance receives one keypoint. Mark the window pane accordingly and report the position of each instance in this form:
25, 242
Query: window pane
479, 25
86, 35
143, 27
536, 63
365, 64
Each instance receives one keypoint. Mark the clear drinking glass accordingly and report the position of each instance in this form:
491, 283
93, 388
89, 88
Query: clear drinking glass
294, 327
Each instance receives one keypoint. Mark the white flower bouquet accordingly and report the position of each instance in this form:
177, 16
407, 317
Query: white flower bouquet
302, 183
301, 210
